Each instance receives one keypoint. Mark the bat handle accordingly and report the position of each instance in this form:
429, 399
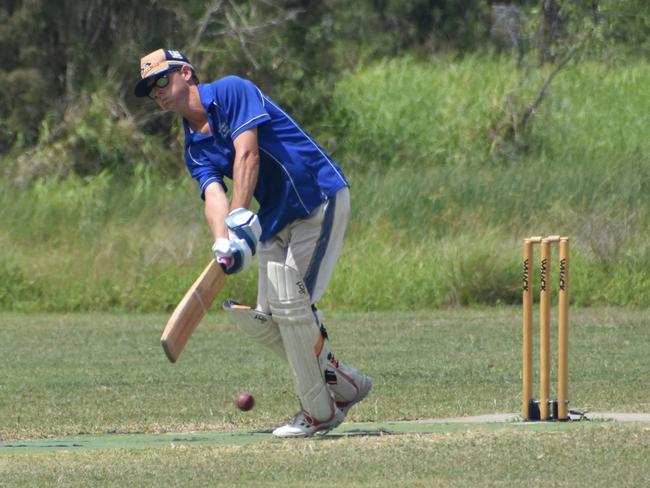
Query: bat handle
225, 261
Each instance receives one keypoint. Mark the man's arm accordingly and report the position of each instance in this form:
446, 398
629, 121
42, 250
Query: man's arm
236, 232
245, 169
216, 210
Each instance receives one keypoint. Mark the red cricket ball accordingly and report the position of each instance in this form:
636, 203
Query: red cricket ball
244, 401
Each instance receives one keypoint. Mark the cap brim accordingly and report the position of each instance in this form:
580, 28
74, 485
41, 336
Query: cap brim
142, 89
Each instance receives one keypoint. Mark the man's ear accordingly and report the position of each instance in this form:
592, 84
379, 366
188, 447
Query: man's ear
186, 72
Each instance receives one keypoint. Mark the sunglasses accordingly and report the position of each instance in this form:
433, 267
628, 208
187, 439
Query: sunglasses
160, 82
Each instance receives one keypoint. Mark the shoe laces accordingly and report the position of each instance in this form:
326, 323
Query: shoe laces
302, 419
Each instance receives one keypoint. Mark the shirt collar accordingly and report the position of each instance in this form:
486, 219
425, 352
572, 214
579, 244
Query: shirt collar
207, 97
206, 94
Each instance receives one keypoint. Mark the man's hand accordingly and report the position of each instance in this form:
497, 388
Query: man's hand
244, 224
233, 256
236, 253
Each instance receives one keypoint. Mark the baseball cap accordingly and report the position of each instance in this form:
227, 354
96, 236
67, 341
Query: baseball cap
156, 64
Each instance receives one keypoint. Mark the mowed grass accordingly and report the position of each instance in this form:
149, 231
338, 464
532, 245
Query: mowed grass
99, 373
605, 455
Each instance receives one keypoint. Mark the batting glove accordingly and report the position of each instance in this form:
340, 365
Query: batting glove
236, 253
244, 224
232, 255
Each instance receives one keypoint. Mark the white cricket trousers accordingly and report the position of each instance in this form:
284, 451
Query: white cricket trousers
311, 246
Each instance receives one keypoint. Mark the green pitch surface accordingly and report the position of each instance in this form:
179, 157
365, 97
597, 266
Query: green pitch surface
244, 437
90, 400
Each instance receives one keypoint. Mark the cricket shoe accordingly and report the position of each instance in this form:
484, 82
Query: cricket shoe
302, 425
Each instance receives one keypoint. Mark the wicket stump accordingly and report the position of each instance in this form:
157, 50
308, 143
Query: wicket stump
545, 408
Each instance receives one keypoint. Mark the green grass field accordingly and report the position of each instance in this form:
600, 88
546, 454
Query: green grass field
439, 189
97, 374
433, 186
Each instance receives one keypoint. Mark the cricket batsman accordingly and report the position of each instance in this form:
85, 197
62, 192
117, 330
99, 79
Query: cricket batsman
233, 130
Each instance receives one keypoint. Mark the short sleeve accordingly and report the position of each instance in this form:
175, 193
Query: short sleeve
242, 103
202, 166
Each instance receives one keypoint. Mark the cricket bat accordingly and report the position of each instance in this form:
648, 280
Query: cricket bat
191, 309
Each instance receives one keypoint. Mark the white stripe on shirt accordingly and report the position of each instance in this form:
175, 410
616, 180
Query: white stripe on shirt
249, 121
208, 181
189, 151
309, 138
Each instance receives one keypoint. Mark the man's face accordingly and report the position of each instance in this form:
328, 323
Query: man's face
170, 91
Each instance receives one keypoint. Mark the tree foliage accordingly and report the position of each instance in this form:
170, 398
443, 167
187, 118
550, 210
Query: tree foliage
58, 55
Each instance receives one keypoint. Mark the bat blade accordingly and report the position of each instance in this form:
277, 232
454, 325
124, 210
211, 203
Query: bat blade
191, 309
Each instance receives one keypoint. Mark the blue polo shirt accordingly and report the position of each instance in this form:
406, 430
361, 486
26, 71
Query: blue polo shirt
295, 175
